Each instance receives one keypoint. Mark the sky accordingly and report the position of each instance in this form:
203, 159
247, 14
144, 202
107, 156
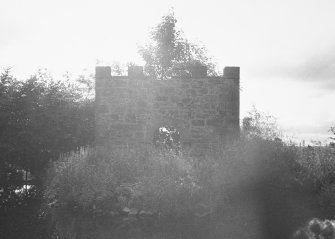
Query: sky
286, 48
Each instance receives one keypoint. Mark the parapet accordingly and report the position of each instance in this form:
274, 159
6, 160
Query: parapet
135, 72
198, 71
231, 72
102, 72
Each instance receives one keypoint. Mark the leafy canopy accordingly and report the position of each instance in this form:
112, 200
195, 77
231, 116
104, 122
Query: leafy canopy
40, 119
169, 54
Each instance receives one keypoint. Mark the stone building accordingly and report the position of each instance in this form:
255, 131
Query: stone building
129, 109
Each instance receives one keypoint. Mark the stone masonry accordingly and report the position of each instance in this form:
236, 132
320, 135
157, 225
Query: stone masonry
130, 108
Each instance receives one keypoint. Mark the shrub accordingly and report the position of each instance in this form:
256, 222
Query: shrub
243, 190
124, 185
318, 164
257, 182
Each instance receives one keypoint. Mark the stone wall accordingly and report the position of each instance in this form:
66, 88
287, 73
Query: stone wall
130, 108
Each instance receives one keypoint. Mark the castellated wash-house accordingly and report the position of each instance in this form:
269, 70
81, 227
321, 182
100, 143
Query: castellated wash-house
204, 109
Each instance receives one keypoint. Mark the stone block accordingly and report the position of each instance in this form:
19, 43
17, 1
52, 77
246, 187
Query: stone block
114, 117
215, 122
119, 83
130, 118
231, 72
198, 122
102, 109
142, 103
185, 86
186, 101
102, 72
135, 72
193, 93
203, 91
162, 98
198, 71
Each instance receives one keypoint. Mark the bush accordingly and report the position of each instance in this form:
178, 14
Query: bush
318, 164
122, 185
21, 217
243, 190
257, 182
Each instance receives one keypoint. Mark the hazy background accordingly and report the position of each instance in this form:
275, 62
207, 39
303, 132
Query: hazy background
286, 49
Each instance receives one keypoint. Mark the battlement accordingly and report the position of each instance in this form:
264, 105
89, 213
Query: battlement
136, 72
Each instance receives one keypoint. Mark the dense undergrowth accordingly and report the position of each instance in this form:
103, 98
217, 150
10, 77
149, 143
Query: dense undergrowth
40, 119
253, 188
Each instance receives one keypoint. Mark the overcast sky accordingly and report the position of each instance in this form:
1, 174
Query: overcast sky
286, 49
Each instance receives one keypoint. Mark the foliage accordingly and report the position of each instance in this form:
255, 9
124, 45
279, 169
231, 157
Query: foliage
257, 180
148, 192
22, 217
170, 54
332, 130
261, 125
83, 87
40, 119
239, 182
318, 169
118, 69
127, 185
128, 178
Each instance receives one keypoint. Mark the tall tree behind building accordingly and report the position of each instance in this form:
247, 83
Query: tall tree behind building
169, 54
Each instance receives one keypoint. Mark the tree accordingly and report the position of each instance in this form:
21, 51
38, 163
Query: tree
169, 54
261, 125
332, 130
40, 119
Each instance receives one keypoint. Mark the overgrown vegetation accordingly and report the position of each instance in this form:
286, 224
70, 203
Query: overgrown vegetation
40, 119
128, 186
243, 190
55, 184
257, 187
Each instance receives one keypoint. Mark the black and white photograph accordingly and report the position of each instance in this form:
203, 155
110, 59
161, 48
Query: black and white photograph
167, 119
